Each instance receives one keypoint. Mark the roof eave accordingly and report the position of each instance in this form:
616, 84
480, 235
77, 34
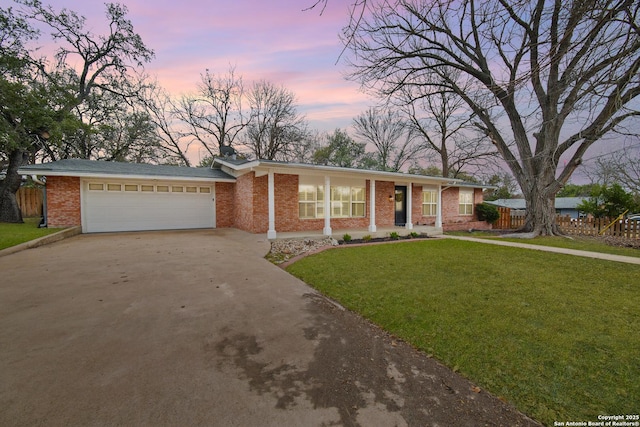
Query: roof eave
104, 175
260, 165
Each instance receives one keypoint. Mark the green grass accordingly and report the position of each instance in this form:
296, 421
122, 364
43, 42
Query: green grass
570, 242
14, 234
555, 335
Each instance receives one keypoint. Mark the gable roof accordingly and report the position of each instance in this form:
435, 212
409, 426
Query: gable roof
239, 167
95, 168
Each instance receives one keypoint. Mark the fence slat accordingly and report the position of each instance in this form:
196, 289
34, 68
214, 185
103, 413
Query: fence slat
30, 201
581, 227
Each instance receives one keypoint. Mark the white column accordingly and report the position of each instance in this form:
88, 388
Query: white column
327, 206
271, 233
372, 206
409, 224
439, 208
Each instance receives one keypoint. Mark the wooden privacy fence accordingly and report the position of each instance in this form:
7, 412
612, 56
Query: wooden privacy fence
30, 201
583, 226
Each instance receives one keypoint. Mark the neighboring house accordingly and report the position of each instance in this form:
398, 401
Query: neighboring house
564, 205
257, 196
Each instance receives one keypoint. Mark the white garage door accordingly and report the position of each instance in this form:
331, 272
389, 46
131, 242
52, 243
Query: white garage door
110, 205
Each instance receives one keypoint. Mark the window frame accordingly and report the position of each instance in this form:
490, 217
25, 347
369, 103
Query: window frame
343, 201
430, 208
465, 207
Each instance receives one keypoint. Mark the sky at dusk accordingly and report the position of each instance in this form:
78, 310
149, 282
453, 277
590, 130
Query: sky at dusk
280, 41
275, 40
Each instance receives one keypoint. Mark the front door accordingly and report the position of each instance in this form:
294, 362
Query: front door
401, 205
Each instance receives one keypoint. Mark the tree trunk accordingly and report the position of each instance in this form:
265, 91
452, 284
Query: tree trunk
9, 209
540, 218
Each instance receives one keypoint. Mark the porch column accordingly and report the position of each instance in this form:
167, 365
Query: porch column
372, 206
271, 233
409, 224
327, 206
439, 208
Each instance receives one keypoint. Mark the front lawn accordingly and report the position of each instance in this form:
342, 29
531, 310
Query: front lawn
556, 335
14, 234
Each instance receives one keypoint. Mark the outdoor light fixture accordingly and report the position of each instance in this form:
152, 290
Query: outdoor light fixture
390, 198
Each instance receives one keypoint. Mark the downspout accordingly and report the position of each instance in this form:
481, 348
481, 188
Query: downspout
43, 182
439, 213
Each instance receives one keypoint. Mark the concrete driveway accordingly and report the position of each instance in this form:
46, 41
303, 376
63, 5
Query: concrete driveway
191, 328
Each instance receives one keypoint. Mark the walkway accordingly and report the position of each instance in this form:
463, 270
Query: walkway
587, 254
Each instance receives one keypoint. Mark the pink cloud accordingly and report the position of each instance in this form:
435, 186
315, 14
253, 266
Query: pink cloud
272, 40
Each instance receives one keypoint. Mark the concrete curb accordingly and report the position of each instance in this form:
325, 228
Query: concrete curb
44, 240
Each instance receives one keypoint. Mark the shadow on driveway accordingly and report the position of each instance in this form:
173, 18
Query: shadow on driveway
197, 328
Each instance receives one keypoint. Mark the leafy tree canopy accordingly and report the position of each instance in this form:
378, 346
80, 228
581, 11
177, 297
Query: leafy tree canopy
608, 201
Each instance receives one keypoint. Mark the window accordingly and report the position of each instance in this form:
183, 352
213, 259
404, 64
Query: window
192, 189
177, 189
162, 188
345, 201
130, 187
114, 187
146, 188
466, 202
205, 190
96, 187
429, 202
340, 202
310, 201
357, 202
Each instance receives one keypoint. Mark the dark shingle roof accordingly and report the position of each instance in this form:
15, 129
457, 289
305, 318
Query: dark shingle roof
73, 167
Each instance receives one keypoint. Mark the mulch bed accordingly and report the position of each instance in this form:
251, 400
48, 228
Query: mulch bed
285, 252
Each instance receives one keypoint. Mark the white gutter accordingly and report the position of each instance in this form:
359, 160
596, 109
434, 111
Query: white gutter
127, 176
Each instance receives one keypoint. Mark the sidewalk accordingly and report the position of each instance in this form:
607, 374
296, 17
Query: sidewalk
587, 254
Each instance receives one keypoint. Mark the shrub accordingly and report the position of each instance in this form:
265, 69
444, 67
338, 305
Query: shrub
394, 236
346, 237
366, 238
487, 212
414, 235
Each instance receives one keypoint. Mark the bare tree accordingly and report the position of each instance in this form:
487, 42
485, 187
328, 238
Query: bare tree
440, 119
164, 114
561, 74
214, 114
620, 166
388, 133
275, 125
303, 150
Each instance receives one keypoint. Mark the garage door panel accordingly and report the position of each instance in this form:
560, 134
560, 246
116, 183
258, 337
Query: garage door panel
138, 210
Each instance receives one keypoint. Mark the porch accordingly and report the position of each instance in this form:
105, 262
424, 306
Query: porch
359, 233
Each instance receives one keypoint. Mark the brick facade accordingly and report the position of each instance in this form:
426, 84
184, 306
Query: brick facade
244, 205
243, 195
225, 204
63, 201
252, 207
451, 218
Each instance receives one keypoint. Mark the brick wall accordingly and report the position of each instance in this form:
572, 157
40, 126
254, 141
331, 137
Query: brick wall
451, 218
63, 201
243, 195
416, 212
261, 204
225, 204
385, 209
